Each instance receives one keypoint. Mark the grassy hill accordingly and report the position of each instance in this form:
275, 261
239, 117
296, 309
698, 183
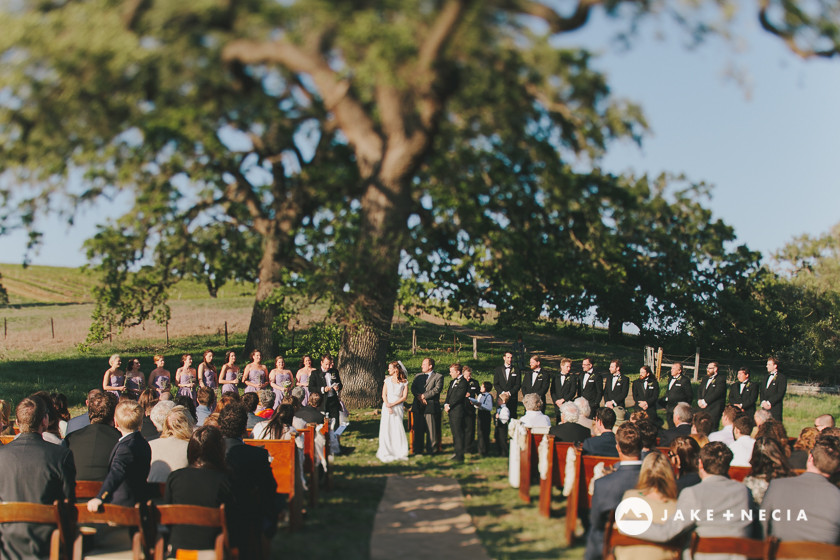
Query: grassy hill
54, 284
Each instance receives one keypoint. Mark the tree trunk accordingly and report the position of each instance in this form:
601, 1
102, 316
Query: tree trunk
364, 350
261, 335
614, 328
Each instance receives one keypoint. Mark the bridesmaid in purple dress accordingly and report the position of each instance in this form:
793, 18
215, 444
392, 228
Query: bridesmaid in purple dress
280, 380
256, 374
114, 379
160, 379
302, 376
229, 376
186, 378
207, 376
135, 381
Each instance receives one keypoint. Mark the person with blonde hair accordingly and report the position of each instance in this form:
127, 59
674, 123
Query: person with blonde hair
169, 451
159, 378
658, 488
113, 380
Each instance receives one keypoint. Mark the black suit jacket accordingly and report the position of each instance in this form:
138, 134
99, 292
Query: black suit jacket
418, 387
310, 415
680, 391
646, 390
775, 394
570, 431
92, 447
591, 390
619, 393
540, 387
667, 436
38, 472
255, 491
603, 445
197, 487
747, 398
318, 384
473, 389
511, 385
128, 469
609, 490
566, 390
715, 397
456, 396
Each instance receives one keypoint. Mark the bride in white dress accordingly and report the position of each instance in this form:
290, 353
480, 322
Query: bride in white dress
393, 443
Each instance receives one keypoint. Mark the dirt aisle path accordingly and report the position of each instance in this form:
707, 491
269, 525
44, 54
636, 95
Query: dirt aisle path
423, 518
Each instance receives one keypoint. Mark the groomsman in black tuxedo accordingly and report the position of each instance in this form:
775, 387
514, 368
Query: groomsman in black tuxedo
617, 386
744, 392
646, 393
590, 386
678, 390
772, 392
418, 413
711, 395
327, 382
564, 387
536, 381
507, 379
456, 401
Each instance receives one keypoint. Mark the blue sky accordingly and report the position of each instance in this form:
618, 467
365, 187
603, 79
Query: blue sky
770, 148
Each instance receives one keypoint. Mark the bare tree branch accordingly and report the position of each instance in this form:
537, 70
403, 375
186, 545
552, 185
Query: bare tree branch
556, 22
353, 119
788, 38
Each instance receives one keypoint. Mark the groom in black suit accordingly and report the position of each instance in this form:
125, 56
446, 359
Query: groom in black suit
418, 413
507, 379
456, 399
327, 382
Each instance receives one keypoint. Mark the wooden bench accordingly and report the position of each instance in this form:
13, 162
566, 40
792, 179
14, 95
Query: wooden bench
284, 467
614, 538
801, 550
754, 549
23, 512
193, 515
556, 475
141, 542
528, 459
6, 439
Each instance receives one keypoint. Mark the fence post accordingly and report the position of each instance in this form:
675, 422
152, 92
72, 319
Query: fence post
110, 330
658, 363
5, 329
167, 333
52, 327
697, 364
226, 334
413, 341
293, 337
475, 348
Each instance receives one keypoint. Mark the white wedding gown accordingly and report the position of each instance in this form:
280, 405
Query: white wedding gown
393, 443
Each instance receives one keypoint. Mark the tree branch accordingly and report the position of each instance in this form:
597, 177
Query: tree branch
239, 191
556, 22
788, 38
353, 119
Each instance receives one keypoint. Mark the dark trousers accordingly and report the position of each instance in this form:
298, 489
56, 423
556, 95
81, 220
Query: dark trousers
484, 432
501, 438
418, 430
469, 430
456, 423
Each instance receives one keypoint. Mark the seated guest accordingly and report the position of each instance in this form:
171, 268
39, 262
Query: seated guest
533, 417
603, 443
82, 420
802, 447
148, 399
255, 515
51, 433
776, 430
59, 401
125, 483
649, 434
6, 427
279, 426
824, 421
768, 462
725, 433
720, 500
187, 402
568, 429
92, 445
34, 471
610, 489
701, 425
169, 451
265, 407
206, 403
684, 455
742, 447
251, 402
205, 482
310, 413
810, 492
760, 417
658, 488
585, 419
227, 398
159, 413
682, 424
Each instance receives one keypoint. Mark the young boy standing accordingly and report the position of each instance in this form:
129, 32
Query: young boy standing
125, 483
484, 404
502, 419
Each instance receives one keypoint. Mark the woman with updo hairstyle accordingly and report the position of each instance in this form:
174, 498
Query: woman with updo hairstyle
803, 446
684, 456
169, 451
205, 482
658, 488
776, 430
768, 462
59, 401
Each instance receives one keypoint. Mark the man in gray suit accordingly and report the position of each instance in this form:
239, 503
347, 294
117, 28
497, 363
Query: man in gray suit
33, 471
431, 400
717, 507
810, 493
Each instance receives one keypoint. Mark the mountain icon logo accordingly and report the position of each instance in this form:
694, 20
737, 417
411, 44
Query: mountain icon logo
633, 516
